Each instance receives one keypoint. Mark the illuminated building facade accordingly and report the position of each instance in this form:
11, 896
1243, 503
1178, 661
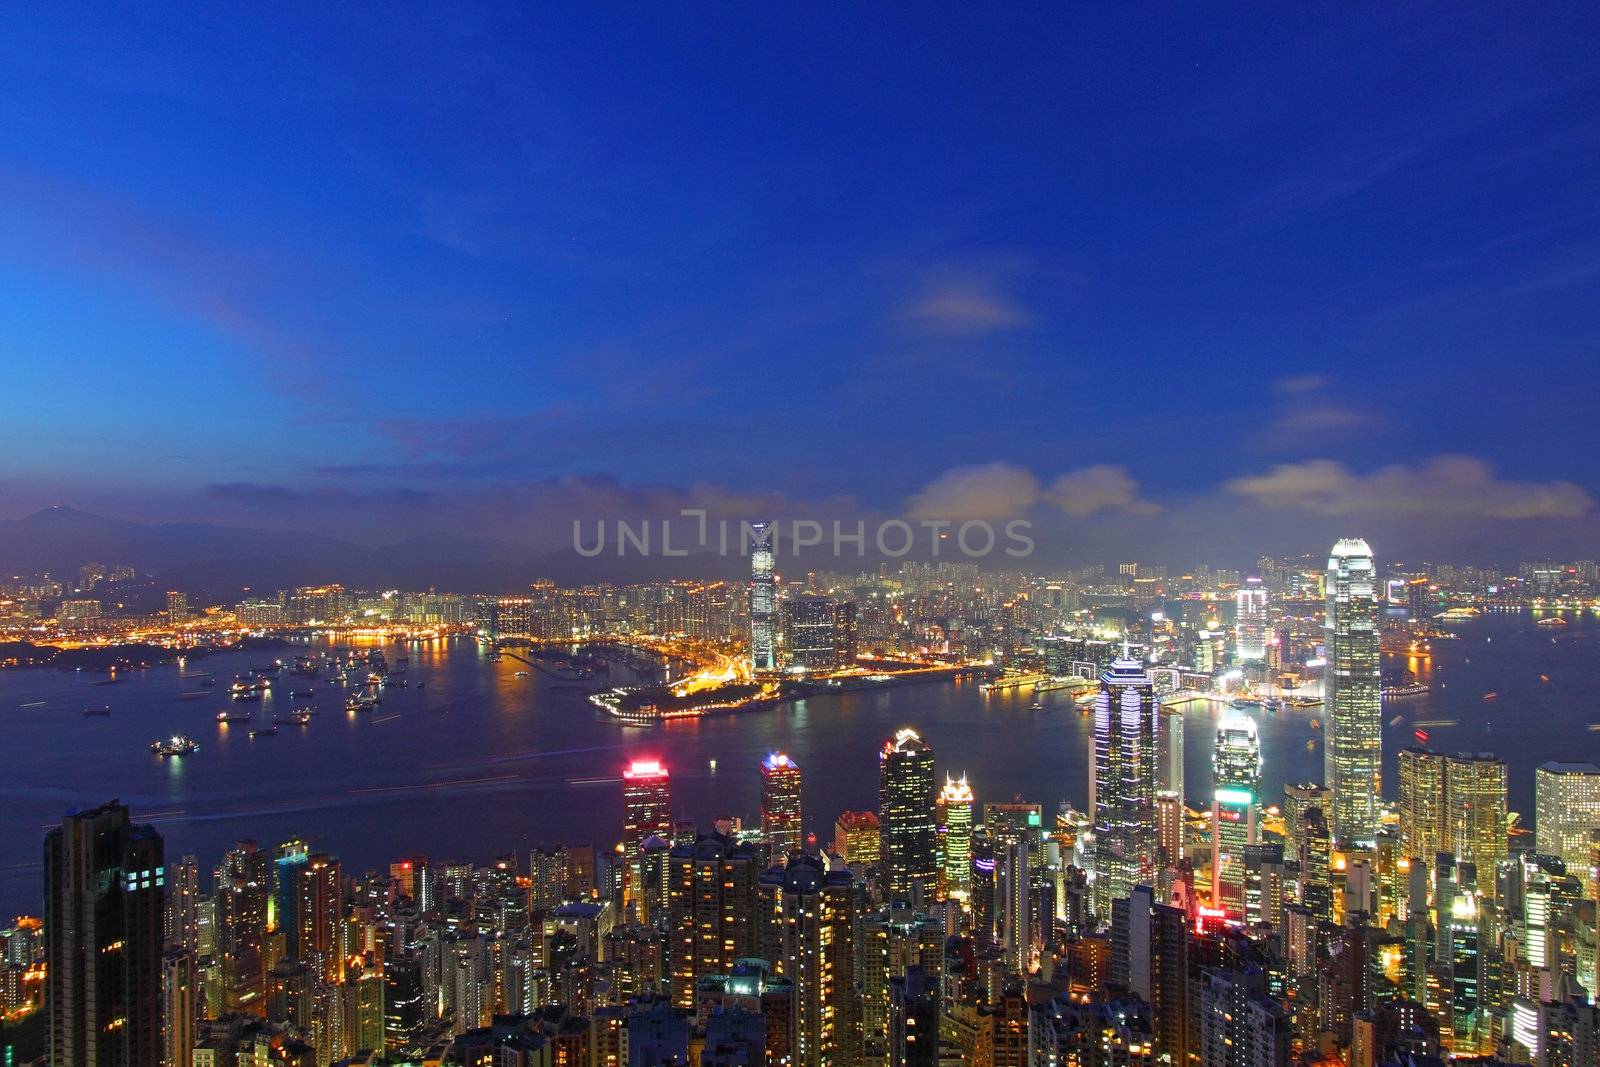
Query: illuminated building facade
1236, 774
809, 644
646, 813
104, 884
1353, 748
955, 822
1250, 622
712, 910
909, 838
857, 838
780, 804
810, 940
1566, 807
1126, 717
763, 600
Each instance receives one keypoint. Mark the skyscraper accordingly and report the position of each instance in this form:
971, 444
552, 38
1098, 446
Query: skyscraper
1250, 621
780, 804
1236, 774
909, 839
104, 879
1125, 728
1422, 800
712, 910
1353, 750
646, 812
1566, 806
809, 629
763, 600
809, 938
955, 820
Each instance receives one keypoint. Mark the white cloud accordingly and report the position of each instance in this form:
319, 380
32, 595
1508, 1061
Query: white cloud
1098, 488
981, 491
1446, 485
1002, 491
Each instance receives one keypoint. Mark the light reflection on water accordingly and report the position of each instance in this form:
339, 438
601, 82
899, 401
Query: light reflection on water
480, 761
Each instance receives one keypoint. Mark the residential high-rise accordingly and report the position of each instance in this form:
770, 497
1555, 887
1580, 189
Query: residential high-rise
1422, 803
183, 904
909, 838
712, 910
1566, 807
1454, 804
241, 899
104, 883
1126, 717
1236, 774
320, 914
1250, 622
646, 813
780, 804
955, 822
180, 995
177, 606
810, 941
1169, 752
1475, 811
763, 600
1353, 748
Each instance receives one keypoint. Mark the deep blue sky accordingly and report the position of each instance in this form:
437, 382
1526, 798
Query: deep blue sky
376, 271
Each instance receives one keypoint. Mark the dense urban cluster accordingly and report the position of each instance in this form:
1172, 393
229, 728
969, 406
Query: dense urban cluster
1164, 922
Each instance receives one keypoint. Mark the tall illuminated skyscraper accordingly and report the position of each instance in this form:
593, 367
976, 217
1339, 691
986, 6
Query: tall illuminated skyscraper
646, 812
955, 817
1566, 806
1353, 750
1236, 774
780, 804
1126, 716
906, 818
104, 880
763, 600
1475, 812
1250, 621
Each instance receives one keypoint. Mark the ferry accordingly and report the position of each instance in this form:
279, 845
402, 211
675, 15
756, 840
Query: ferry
98, 711
1412, 689
233, 716
1303, 702
1553, 620
176, 745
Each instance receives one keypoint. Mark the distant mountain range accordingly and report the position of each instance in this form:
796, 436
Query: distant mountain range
222, 562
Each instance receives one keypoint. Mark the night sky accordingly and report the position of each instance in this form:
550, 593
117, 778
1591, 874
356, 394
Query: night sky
1180, 280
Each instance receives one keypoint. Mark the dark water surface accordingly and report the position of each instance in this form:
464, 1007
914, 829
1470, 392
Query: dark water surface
481, 761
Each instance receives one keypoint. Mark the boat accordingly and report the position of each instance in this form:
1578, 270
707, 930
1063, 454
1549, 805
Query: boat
233, 716
1311, 745
1036, 706
1491, 695
265, 731
98, 711
1553, 620
1316, 724
1303, 702
361, 702
208, 683
521, 674
302, 694
1397, 720
1411, 689
298, 718
176, 745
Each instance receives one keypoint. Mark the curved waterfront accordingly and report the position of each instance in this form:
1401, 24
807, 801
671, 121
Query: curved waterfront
480, 761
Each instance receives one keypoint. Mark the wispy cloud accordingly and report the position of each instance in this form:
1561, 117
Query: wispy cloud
964, 303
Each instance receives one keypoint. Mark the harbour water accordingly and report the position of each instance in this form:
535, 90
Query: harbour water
479, 761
